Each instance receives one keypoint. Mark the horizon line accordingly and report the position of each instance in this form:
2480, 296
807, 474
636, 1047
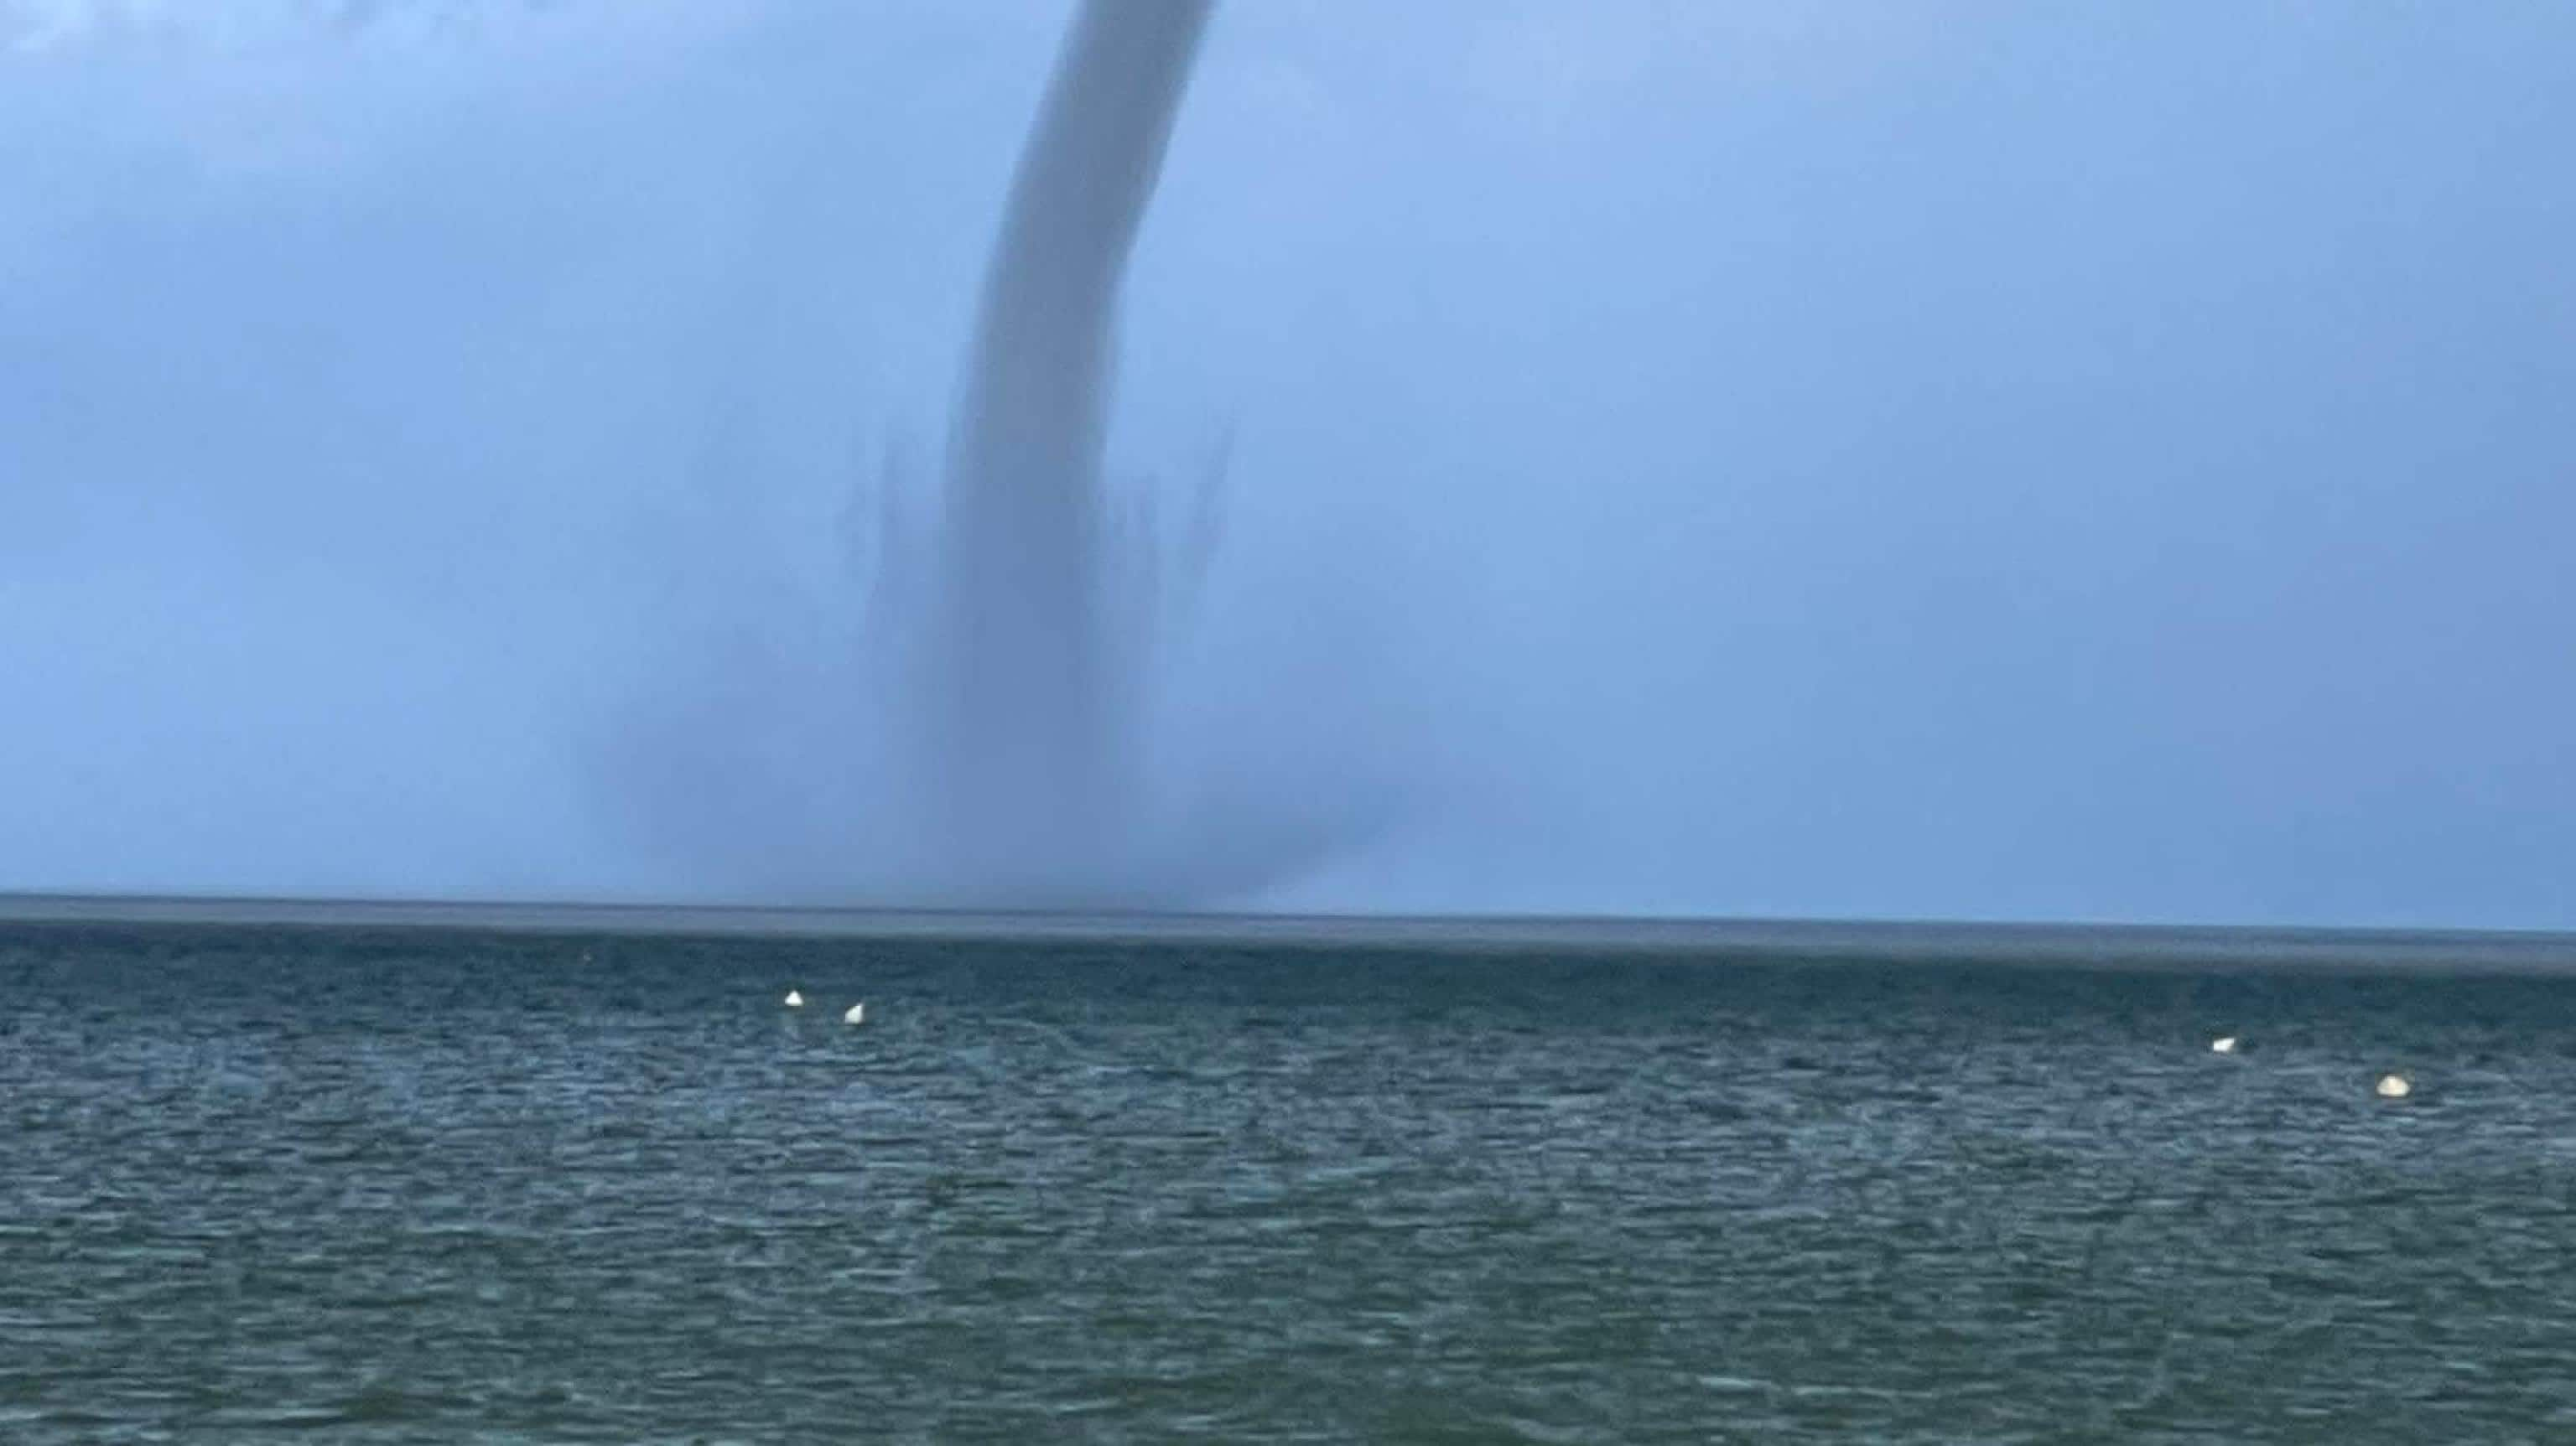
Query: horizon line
2070, 941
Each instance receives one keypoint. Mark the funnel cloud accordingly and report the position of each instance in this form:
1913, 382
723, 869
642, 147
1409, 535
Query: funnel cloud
1031, 773
1018, 642
1030, 698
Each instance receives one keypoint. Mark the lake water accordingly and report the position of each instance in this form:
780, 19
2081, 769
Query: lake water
373, 1184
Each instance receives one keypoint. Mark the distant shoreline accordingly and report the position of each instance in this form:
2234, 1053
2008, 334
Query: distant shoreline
2060, 944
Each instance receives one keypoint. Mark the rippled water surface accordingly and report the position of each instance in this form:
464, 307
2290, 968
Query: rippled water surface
447, 1187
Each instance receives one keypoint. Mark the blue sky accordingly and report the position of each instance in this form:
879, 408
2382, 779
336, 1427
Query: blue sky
1993, 461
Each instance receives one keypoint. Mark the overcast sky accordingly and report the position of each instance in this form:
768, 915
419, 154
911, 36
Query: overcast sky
1970, 461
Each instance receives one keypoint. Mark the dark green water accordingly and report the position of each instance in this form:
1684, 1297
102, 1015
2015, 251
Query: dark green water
447, 1187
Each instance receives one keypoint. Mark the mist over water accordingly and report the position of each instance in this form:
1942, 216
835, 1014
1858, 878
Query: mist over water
1614, 457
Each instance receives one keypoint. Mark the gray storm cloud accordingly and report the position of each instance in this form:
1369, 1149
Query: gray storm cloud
1757, 458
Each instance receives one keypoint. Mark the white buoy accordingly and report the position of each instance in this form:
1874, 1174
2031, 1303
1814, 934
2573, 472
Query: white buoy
2393, 1087
2224, 1044
858, 1014
795, 1000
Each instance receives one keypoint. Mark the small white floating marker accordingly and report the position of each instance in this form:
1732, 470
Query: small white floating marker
795, 1000
2392, 1087
858, 1014
2224, 1044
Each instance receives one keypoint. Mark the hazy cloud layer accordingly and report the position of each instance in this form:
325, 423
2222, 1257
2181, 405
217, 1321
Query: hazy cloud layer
1841, 460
